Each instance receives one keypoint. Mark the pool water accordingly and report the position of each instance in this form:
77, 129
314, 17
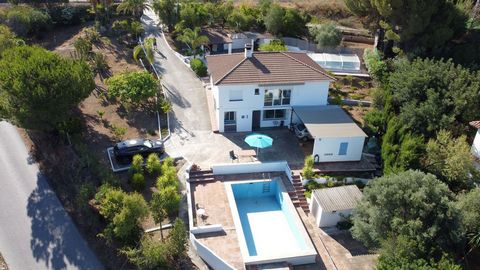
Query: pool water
268, 225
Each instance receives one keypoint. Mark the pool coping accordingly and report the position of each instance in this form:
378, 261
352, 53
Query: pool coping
302, 257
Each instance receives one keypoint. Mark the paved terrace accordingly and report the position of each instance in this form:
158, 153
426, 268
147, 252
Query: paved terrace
212, 197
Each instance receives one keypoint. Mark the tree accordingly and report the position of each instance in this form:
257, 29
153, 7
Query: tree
8, 39
134, 7
193, 39
274, 19
413, 24
178, 239
450, 159
273, 46
164, 203
431, 95
136, 29
307, 171
400, 254
199, 67
39, 88
167, 12
468, 204
294, 23
83, 48
411, 205
192, 15
134, 87
401, 150
153, 164
326, 35
240, 21
26, 21
123, 212
376, 67
146, 51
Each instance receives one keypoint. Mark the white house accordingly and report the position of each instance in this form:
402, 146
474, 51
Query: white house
253, 90
476, 141
330, 205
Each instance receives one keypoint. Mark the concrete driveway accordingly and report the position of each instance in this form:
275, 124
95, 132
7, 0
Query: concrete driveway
192, 137
35, 231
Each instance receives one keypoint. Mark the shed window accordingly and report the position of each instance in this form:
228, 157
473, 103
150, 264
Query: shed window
257, 91
343, 149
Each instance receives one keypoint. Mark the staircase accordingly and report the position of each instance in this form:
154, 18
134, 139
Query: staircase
201, 176
298, 194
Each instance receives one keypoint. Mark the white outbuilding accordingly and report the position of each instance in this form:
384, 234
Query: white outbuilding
336, 136
476, 141
331, 205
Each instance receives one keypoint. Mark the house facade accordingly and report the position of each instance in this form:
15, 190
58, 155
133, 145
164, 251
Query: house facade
254, 90
257, 90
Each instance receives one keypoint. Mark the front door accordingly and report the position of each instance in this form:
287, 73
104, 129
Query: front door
256, 120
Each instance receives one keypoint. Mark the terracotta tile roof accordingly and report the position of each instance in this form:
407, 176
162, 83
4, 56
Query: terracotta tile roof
265, 68
475, 124
216, 36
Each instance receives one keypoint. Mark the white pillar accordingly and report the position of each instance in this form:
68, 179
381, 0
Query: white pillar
229, 48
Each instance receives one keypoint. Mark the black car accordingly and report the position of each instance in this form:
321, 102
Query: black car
125, 150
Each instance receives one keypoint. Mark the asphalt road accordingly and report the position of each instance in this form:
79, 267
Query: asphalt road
35, 231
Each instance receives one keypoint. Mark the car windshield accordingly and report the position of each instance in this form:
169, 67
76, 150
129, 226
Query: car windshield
148, 143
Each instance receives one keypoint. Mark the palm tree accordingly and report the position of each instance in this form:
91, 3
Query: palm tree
193, 39
101, 10
138, 51
135, 7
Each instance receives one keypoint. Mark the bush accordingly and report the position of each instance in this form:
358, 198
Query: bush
137, 164
273, 46
26, 21
153, 164
134, 87
326, 35
307, 171
375, 65
199, 67
69, 15
138, 182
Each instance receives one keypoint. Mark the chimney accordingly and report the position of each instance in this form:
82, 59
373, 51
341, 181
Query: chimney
248, 50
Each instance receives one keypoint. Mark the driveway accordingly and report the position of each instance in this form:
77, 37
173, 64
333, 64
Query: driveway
35, 231
192, 137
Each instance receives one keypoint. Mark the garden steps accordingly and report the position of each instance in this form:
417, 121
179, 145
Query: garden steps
298, 195
201, 176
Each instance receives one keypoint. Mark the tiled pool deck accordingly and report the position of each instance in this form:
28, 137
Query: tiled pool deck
212, 197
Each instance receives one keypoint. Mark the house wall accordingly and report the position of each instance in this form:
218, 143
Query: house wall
308, 94
476, 145
327, 149
238, 43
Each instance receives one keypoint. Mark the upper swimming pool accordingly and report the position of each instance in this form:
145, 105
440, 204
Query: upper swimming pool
271, 228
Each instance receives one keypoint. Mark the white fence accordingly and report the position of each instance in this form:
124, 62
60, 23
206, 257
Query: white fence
209, 256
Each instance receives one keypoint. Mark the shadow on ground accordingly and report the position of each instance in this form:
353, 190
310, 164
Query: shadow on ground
55, 240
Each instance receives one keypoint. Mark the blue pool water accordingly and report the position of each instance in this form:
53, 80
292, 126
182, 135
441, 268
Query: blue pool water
268, 224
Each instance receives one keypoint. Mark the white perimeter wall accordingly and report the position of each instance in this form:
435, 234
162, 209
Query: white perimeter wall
327, 149
476, 145
308, 94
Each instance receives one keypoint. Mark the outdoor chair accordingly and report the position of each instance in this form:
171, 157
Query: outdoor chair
233, 156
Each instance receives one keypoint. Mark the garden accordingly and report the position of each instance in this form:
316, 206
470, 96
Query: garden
99, 89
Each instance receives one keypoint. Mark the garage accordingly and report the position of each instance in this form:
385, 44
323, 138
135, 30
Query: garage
337, 138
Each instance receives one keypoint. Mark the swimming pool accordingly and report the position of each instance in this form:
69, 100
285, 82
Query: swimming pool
267, 224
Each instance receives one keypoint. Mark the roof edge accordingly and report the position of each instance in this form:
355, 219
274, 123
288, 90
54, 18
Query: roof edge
229, 72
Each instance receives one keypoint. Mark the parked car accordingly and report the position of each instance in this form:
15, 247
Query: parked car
125, 150
301, 132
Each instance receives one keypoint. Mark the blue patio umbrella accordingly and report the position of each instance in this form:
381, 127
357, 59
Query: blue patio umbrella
259, 141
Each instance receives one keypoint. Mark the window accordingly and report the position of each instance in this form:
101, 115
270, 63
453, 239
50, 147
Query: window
273, 114
229, 118
343, 149
277, 97
235, 95
257, 91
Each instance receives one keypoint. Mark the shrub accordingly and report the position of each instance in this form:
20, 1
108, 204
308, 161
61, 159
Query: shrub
69, 15
118, 132
138, 182
137, 164
26, 21
134, 87
199, 67
326, 35
375, 65
273, 46
307, 170
153, 164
